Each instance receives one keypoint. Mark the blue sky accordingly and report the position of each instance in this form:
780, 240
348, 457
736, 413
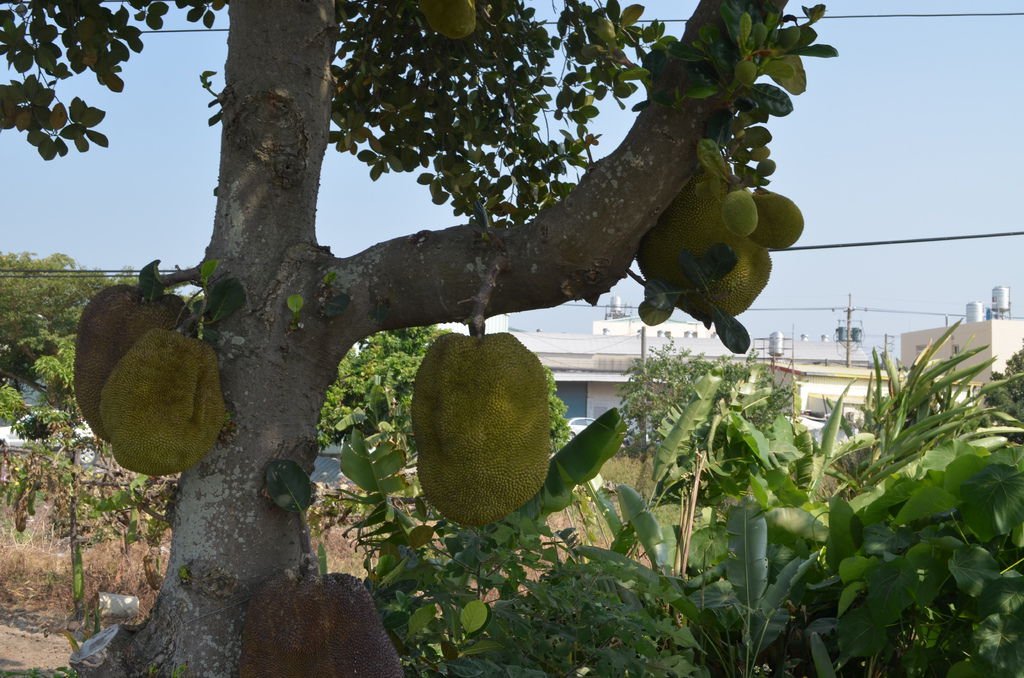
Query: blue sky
912, 132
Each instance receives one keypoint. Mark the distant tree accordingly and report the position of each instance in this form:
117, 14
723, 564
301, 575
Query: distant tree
666, 380
1009, 397
40, 302
392, 358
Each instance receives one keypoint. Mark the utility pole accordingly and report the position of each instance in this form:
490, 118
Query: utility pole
849, 329
643, 361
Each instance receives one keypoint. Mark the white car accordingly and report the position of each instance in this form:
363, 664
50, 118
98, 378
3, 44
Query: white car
10, 438
577, 424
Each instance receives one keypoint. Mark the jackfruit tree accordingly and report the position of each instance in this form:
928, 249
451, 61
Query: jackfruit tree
495, 123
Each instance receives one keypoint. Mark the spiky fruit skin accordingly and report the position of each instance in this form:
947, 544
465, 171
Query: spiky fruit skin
779, 221
162, 404
324, 626
111, 322
453, 19
739, 212
693, 222
481, 420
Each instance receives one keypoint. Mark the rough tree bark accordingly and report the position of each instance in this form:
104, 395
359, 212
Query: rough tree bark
227, 537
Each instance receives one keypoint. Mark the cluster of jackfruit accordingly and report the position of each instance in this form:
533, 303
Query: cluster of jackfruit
453, 19
315, 626
110, 324
481, 420
704, 214
152, 393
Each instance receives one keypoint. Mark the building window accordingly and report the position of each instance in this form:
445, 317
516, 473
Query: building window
956, 349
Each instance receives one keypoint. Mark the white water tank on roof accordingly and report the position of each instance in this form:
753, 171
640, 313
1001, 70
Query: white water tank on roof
1001, 299
975, 311
775, 341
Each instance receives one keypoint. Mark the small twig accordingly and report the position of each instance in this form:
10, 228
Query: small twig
181, 275
483, 297
635, 276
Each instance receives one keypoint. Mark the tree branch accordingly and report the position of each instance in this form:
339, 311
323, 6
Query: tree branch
576, 249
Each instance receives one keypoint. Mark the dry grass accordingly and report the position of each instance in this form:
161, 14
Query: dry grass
35, 566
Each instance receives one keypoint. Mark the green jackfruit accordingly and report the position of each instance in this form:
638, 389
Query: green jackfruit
694, 222
481, 420
315, 626
779, 221
162, 404
453, 19
739, 212
111, 322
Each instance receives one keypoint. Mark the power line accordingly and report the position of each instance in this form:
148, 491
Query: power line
904, 15
905, 241
115, 273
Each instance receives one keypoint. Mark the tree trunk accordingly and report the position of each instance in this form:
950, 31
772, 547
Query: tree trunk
227, 536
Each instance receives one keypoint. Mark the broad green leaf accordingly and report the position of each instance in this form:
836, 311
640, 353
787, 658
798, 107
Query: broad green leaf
819, 654
959, 470
732, 333
481, 647
772, 99
972, 566
747, 567
149, 281
420, 618
1001, 595
1000, 643
631, 504
474, 616
855, 567
929, 565
859, 635
581, 459
788, 72
890, 590
224, 298
288, 485
678, 438
295, 303
927, 501
822, 51
651, 315
355, 462
993, 501
796, 522
631, 14
844, 533
850, 593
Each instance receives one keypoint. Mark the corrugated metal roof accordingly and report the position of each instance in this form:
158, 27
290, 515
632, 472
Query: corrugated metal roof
553, 344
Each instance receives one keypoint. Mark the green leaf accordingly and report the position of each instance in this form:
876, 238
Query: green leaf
631, 14
889, 590
1000, 642
788, 72
288, 485
772, 99
419, 619
859, 635
993, 501
474, 616
926, 501
718, 261
844, 532
822, 661
581, 459
850, 593
77, 573
796, 522
823, 51
206, 269
652, 315
295, 303
1001, 595
661, 295
321, 558
733, 334
224, 298
747, 567
677, 441
684, 52
149, 281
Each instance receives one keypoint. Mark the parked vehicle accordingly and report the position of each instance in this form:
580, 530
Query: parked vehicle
577, 424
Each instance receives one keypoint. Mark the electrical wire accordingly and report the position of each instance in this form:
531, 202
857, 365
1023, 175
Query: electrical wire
901, 15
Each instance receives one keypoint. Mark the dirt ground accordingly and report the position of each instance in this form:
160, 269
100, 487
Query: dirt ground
26, 643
